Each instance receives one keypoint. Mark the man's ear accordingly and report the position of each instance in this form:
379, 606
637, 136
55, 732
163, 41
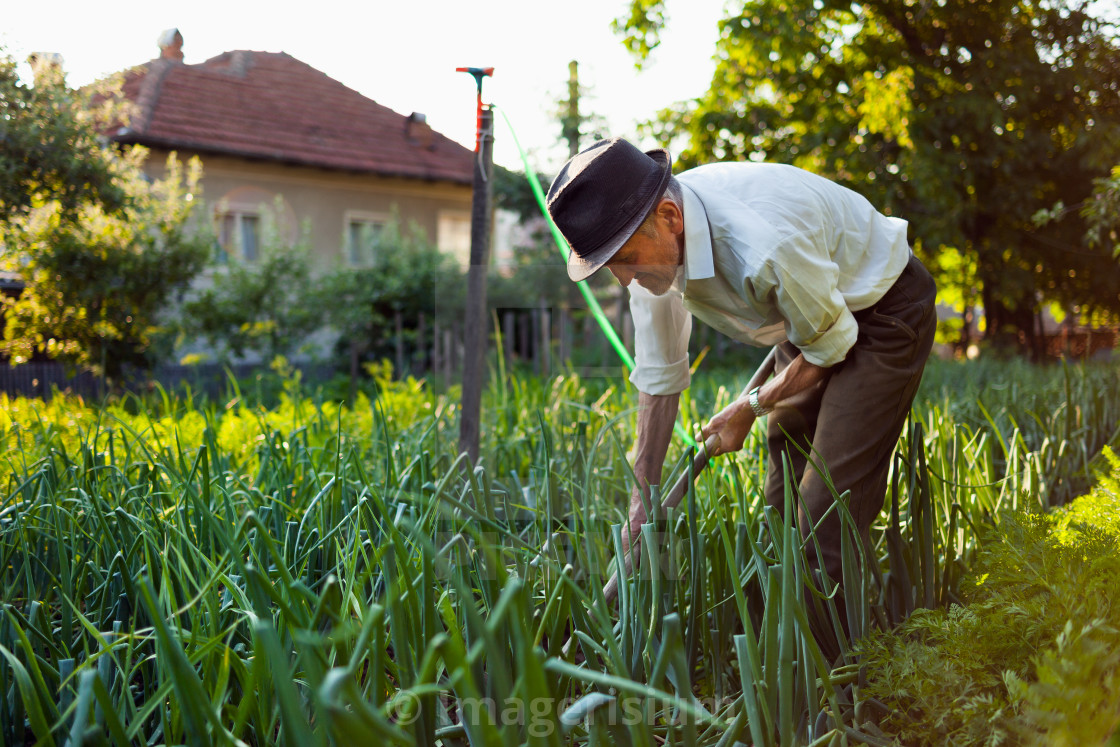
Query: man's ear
668, 211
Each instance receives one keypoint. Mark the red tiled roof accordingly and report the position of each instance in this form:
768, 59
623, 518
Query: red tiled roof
272, 106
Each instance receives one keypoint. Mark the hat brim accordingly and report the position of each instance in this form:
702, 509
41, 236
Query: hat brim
581, 268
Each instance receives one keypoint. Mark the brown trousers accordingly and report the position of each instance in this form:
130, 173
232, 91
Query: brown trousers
850, 422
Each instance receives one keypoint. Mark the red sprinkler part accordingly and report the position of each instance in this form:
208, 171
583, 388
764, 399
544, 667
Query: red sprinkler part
479, 73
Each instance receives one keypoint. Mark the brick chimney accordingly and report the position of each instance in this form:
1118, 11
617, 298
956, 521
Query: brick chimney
418, 131
171, 45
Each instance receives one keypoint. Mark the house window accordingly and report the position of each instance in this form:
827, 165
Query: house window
239, 234
248, 219
453, 235
363, 231
362, 242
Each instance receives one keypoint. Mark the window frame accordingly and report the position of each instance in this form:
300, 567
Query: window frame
364, 217
236, 246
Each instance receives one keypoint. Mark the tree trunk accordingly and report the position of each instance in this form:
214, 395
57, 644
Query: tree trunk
1009, 329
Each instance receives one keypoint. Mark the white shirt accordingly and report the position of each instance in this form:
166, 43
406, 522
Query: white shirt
772, 252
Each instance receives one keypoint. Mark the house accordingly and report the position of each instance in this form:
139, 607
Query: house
285, 148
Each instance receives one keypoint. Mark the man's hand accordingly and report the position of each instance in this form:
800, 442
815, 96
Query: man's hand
632, 532
731, 424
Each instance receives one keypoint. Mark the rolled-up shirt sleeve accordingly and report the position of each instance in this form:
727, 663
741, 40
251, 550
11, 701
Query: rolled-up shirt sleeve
662, 327
804, 287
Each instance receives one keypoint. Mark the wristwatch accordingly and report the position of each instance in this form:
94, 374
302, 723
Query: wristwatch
752, 400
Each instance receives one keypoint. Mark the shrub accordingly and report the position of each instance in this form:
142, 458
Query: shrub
1033, 656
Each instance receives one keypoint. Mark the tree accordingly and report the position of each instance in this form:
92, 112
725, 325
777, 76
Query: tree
574, 122
964, 117
51, 146
267, 306
408, 279
96, 281
1102, 211
100, 248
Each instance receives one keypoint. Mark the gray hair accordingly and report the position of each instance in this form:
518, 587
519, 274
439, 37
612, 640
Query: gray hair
674, 193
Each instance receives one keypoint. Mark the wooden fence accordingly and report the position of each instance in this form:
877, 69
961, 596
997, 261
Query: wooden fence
548, 341
41, 378
38, 379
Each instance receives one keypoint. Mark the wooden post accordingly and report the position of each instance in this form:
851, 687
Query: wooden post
523, 341
565, 335
572, 121
544, 330
476, 317
508, 328
535, 338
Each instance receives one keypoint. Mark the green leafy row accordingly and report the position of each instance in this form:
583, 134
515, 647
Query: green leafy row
1032, 653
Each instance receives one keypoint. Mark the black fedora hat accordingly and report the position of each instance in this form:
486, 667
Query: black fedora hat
601, 196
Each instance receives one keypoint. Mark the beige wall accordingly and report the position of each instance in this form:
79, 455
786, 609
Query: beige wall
325, 201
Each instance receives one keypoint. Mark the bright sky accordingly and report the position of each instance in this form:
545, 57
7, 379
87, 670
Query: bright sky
403, 54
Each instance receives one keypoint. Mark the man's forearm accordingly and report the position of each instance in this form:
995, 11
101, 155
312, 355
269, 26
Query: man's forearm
799, 375
656, 416
733, 422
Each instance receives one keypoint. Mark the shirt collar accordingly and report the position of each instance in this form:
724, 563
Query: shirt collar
697, 238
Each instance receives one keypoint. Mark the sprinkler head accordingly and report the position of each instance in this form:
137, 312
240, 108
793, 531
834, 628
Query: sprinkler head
478, 72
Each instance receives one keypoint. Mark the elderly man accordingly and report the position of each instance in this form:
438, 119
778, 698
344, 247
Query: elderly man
768, 254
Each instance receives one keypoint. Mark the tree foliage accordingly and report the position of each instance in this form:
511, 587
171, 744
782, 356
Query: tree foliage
513, 192
1102, 211
267, 306
96, 281
408, 278
49, 145
577, 123
100, 247
964, 117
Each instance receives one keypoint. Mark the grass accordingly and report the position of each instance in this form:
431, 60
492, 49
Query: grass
177, 571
